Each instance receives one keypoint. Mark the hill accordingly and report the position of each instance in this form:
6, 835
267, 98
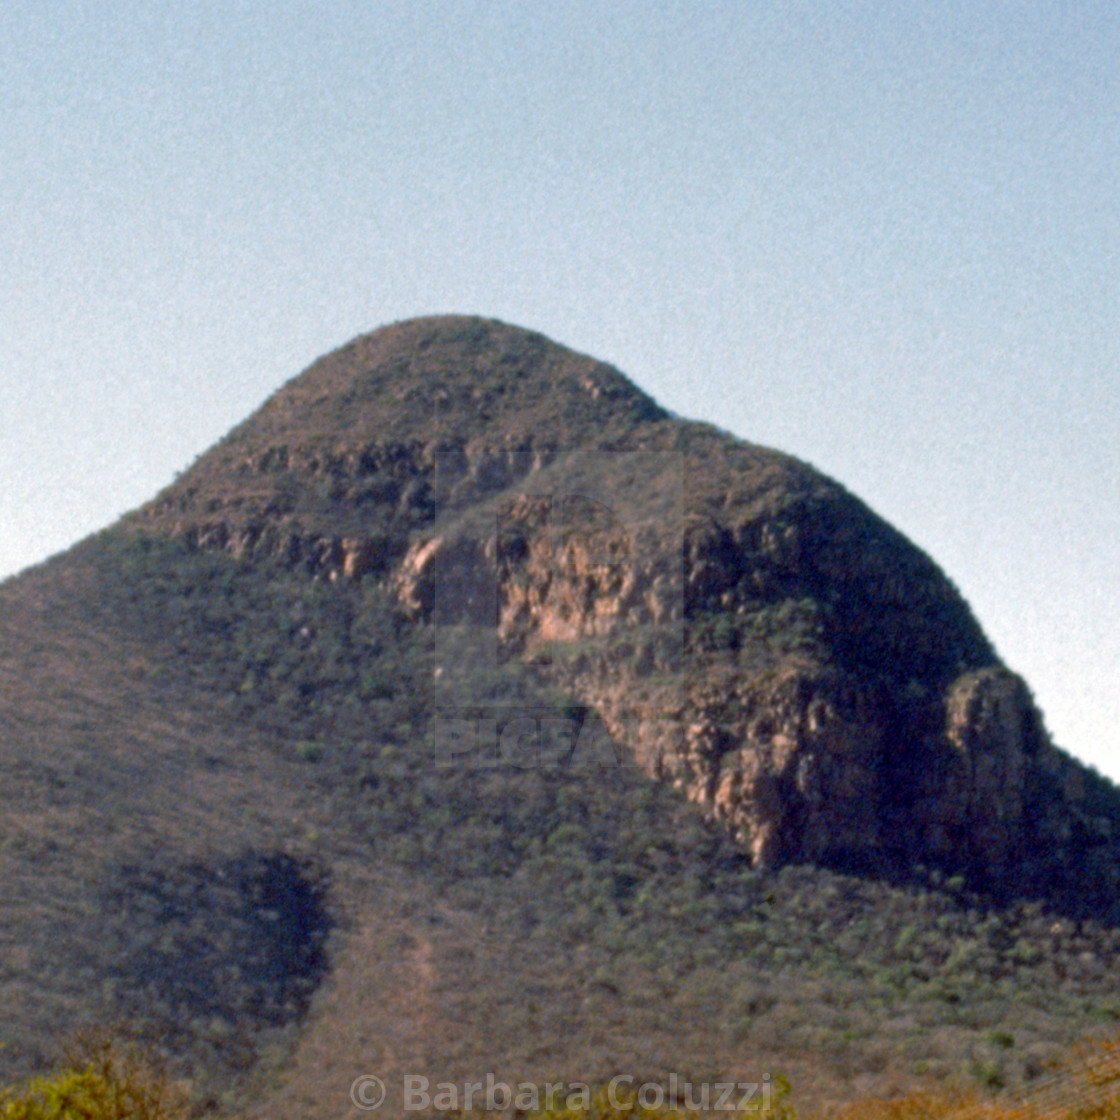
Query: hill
463, 712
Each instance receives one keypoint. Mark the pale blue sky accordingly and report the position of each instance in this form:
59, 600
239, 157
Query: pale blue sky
884, 237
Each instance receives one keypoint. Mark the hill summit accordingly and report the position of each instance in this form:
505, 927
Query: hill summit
738, 624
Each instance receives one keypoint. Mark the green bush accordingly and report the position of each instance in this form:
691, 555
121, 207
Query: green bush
107, 1080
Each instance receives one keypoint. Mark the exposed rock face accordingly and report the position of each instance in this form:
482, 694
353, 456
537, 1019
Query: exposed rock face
995, 737
745, 627
912, 745
321, 556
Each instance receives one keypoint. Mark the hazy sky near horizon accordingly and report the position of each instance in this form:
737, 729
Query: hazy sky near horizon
883, 237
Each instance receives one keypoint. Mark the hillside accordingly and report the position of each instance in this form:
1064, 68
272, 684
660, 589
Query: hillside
462, 711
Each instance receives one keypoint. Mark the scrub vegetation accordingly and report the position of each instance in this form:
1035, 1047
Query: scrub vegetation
237, 817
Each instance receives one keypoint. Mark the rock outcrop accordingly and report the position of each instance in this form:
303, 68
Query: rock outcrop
840, 718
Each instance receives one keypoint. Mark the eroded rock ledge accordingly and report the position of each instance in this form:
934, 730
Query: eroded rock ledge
720, 669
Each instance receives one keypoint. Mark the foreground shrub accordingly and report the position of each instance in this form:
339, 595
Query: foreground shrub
105, 1080
1085, 1087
